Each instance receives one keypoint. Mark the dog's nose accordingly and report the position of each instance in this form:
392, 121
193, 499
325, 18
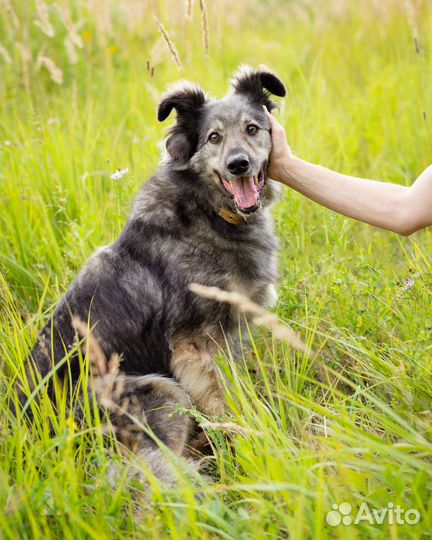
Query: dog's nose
238, 164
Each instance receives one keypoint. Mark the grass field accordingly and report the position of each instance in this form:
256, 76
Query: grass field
351, 423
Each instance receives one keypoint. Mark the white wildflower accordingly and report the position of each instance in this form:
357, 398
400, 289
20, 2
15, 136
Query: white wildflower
408, 284
121, 173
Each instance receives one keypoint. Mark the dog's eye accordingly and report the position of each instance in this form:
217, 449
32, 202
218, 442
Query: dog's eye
214, 137
251, 129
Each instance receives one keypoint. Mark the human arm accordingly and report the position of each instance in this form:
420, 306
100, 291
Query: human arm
397, 208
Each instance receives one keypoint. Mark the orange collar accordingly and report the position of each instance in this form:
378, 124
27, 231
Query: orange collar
231, 217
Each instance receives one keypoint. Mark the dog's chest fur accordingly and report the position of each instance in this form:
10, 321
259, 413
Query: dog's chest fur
194, 244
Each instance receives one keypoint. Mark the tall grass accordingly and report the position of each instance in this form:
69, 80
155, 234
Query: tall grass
349, 422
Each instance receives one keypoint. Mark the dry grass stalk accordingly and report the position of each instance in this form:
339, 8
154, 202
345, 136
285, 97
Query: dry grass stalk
73, 40
26, 58
71, 27
12, 15
102, 15
71, 51
43, 22
108, 383
229, 426
96, 355
107, 380
204, 22
109, 388
55, 72
409, 8
169, 42
260, 316
188, 10
5, 55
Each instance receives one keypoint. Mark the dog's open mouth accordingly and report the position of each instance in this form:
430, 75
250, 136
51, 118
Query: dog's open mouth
245, 190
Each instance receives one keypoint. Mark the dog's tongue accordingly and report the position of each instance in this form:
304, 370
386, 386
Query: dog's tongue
245, 192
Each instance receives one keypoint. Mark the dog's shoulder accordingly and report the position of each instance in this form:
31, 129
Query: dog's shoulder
166, 196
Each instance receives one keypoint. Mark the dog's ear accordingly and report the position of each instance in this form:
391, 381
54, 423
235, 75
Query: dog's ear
258, 84
187, 100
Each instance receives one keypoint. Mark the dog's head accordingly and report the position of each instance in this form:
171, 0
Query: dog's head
227, 142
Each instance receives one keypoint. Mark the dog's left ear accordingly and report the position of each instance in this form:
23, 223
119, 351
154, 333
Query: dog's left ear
187, 100
258, 84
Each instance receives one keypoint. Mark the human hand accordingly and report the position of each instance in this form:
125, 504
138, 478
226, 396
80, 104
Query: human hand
281, 154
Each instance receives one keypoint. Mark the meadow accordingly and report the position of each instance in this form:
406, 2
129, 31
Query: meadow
349, 423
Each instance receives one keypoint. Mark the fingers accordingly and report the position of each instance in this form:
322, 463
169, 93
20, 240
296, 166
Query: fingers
277, 130
271, 118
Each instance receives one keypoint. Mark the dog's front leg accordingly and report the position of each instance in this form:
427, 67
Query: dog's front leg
199, 376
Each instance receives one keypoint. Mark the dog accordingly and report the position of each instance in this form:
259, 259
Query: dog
203, 217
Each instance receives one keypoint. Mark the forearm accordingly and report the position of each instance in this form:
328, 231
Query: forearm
373, 202
390, 206
385, 205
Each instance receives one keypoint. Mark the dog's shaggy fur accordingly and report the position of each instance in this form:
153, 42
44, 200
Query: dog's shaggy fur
134, 293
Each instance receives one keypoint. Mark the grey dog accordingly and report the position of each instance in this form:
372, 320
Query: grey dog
204, 218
